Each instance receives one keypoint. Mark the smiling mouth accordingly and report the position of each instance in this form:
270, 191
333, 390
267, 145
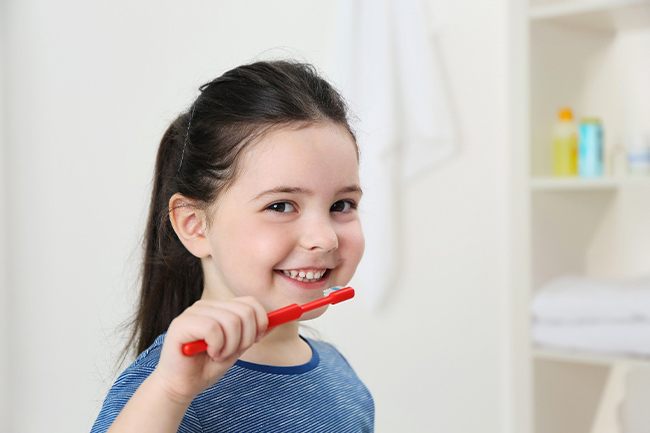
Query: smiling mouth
305, 275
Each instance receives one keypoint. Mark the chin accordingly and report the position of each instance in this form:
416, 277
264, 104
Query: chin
314, 313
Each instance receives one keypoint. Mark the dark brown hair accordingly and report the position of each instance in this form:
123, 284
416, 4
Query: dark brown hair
198, 157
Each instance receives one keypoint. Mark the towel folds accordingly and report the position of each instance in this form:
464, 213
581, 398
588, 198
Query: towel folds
596, 315
582, 299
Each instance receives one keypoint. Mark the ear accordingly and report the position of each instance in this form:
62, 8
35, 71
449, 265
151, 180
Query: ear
189, 223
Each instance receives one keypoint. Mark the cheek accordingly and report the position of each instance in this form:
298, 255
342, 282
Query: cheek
353, 243
257, 246
271, 246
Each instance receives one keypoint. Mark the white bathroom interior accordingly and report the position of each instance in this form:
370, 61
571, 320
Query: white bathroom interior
497, 295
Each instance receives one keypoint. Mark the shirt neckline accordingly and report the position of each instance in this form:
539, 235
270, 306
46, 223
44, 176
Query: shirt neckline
292, 369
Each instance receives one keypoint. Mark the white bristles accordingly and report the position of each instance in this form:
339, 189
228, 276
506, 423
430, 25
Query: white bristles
329, 291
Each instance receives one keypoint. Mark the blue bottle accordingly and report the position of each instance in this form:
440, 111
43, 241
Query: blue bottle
590, 148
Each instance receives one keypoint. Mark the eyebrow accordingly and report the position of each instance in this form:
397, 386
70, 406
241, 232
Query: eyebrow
297, 190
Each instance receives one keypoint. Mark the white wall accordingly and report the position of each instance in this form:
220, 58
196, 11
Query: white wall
436, 356
436, 347
4, 293
90, 89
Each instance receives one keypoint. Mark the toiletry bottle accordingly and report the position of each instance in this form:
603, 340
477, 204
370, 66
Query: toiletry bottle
590, 148
638, 153
565, 145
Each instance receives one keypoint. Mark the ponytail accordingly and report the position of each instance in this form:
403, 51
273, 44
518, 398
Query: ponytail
171, 278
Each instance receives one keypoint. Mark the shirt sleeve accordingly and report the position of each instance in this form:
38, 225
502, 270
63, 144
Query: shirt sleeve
120, 393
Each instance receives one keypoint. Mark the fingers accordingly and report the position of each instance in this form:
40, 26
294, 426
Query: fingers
261, 316
196, 324
228, 328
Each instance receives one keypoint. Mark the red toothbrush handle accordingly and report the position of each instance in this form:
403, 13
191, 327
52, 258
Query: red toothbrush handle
191, 349
284, 315
277, 317
341, 295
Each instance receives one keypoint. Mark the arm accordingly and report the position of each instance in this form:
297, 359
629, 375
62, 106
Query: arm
152, 409
160, 402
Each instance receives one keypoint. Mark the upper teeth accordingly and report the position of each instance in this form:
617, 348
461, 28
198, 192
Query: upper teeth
311, 275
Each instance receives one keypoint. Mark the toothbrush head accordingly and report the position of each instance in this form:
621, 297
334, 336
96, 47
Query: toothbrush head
331, 290
335, 295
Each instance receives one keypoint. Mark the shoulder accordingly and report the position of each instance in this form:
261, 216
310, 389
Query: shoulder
127, 383
143, 365
335, 368
338, 382
151, 355
327, 351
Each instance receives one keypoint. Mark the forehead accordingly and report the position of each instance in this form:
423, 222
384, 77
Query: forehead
318, 156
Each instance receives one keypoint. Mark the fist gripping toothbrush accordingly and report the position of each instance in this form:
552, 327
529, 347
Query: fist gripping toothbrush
333, 295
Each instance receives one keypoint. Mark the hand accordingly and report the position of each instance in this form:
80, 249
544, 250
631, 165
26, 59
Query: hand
228, 328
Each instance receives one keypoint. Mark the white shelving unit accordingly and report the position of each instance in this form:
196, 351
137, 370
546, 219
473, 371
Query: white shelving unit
551, 184
599, 15
593, 56
576, 357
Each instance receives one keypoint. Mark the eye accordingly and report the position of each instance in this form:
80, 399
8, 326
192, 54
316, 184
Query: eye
282, 207
343, 206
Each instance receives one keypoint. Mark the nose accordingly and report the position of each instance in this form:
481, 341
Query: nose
319, 234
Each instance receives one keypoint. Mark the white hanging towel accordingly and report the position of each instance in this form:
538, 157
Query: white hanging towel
386, 66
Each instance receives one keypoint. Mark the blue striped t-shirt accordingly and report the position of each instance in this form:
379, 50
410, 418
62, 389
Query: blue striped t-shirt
323, 395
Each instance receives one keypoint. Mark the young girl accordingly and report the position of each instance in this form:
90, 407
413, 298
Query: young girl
253, 208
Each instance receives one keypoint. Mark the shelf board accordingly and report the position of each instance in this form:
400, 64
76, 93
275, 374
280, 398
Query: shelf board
607, 15
579, 184
580, 357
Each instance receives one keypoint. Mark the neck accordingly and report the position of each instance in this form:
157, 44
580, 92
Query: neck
282, 346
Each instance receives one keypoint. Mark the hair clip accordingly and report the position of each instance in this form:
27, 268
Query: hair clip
187, 138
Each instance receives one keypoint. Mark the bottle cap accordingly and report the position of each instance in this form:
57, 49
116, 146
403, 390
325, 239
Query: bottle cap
565, 114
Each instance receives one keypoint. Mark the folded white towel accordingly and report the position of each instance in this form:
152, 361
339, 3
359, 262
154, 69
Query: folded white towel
582, 299
625, 338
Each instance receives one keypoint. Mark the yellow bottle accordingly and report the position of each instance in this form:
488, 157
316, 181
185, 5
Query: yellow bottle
565, 145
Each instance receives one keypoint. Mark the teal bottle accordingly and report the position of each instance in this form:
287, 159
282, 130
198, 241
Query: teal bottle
590, 148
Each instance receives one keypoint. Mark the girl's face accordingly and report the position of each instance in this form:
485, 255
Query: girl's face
288, 227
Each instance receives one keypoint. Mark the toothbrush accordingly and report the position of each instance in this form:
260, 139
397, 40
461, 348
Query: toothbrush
333, 295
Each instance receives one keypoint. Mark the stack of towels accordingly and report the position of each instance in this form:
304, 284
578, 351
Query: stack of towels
595, 315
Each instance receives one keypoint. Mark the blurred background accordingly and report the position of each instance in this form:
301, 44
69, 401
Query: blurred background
507, 290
